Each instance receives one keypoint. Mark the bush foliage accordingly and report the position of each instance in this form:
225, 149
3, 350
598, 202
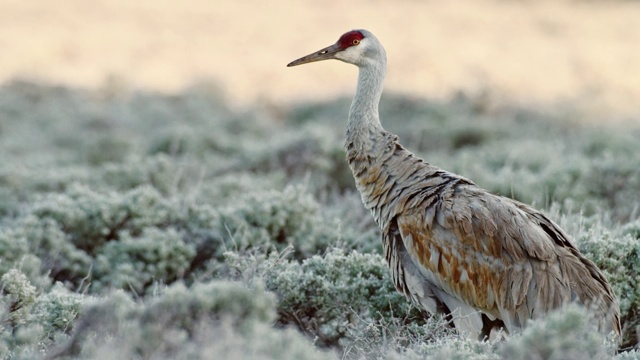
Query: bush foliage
142, 225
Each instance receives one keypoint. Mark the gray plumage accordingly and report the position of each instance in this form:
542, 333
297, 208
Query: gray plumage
484, 260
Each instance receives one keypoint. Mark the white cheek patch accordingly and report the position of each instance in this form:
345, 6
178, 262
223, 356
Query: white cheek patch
353, 54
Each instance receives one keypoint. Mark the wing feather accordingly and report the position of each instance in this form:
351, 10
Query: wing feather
496, 255
445, 238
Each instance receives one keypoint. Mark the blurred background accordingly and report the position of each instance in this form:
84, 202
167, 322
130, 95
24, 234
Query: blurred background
547, 52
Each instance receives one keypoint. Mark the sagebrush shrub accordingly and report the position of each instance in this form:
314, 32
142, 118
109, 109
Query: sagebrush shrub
332, 297
568, 333
90, 218
277, 219
16, 253
18, 296
136, 262
57, 310
619, 258
178, 322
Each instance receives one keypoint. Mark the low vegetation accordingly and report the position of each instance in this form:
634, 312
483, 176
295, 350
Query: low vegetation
151, 226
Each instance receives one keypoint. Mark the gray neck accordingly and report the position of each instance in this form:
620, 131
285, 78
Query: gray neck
364, 120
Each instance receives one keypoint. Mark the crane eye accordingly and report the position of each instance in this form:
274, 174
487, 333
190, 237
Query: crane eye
355, 42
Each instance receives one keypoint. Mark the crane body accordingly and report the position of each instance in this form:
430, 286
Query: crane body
483, 260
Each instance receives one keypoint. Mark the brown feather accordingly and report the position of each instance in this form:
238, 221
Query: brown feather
459, 243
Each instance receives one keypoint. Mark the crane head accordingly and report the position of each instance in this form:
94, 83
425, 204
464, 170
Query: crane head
350, 48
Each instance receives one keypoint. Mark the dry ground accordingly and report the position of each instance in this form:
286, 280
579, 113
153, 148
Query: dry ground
548, 52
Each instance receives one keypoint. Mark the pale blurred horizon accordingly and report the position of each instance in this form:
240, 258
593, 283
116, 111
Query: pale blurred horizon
534, 52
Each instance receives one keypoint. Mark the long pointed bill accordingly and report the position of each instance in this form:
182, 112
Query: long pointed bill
325, 54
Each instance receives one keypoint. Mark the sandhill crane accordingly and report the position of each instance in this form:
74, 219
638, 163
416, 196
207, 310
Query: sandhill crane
483, 260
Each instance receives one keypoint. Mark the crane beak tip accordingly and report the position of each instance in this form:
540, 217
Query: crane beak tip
297, 62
